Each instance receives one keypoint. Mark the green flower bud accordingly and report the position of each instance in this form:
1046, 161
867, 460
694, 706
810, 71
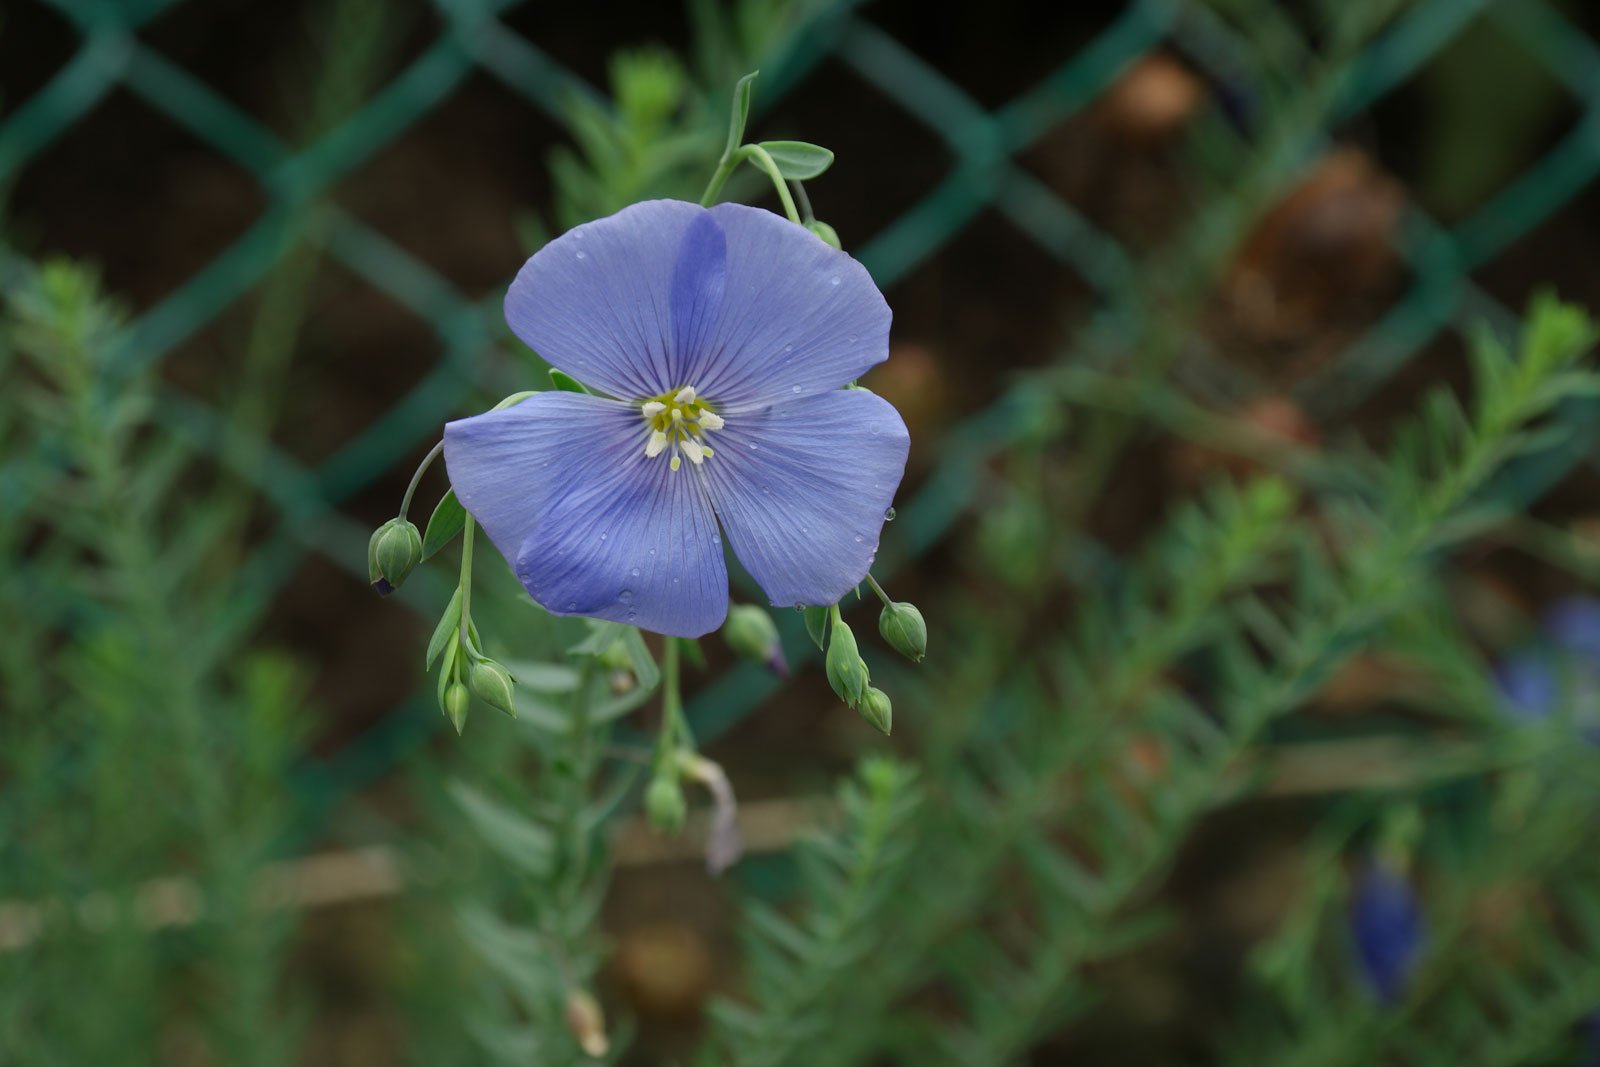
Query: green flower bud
876, 709
456, 702
664, 804
751, 633
846, 671
901, 625
492, 684
829, 236
395, 548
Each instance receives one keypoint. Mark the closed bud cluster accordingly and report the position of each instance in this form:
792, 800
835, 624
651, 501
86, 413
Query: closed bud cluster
750, 632
395, 549
847, 673
492, 684
876, 709
902, 625
665, 805
456, 701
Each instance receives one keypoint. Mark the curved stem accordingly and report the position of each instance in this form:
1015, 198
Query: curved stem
804, 200
725, 168
422, 468
758, 155
876, 588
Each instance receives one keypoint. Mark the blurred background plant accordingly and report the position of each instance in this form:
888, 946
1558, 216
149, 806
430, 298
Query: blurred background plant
1251, 506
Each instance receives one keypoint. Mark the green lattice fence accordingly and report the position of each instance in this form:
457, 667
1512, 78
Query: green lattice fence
984, 177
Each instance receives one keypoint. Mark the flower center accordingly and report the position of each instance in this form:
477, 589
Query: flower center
680, 423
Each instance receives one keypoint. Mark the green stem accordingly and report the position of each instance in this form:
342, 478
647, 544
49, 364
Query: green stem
675, 732
466, 582
758, 155
725, 168
804, 200
876, 588
416, 478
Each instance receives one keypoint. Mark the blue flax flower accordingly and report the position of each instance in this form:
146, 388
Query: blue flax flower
1386, 925
717, 342
1560, 671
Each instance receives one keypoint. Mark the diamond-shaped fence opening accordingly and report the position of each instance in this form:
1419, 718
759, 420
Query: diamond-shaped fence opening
992, 154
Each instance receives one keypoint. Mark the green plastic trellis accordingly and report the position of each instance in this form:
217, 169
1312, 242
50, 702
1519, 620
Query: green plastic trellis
985, 177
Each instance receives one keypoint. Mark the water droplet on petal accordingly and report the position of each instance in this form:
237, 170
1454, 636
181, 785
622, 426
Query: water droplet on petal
833, 280
652, 551
583, 255
632, 615
851, 338
788, 348
572, 605
676, 580
602, 535
874, 429
888, 516
625, 596
858, 539
636, 572
797, 389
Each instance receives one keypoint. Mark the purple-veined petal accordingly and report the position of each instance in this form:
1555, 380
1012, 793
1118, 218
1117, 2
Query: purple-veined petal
548, 477
595, 302
798, 318
634, 542
802, 488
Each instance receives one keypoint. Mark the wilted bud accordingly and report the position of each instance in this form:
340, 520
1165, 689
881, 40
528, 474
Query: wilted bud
395, 548
751, 633
492, 684
846, 671
723, 846
829, 236
456, 702
876, 709
587, 1023
901, 625
664, 804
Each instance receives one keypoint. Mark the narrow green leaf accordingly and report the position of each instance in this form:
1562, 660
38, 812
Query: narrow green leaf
566, 382
446, 521
741, 112
798, 161
817, 625
449, 624
514, 838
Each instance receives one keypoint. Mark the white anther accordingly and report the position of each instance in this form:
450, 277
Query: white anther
707, 450
692, 449
652, 409
710, 420
677, 414
676, 462
656, 445
685, 395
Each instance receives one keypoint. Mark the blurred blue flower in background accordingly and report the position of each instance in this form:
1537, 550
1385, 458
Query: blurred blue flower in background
720, 339
1560, 670
1386, 925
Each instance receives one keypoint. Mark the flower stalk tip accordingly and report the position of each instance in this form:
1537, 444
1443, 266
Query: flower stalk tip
751, 633
393, 552
903, 627
847, 672
877, 709
493, 684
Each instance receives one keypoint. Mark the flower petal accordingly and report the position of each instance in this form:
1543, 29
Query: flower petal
561, 486
798, 317
802, 489
595, 301
635, 543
